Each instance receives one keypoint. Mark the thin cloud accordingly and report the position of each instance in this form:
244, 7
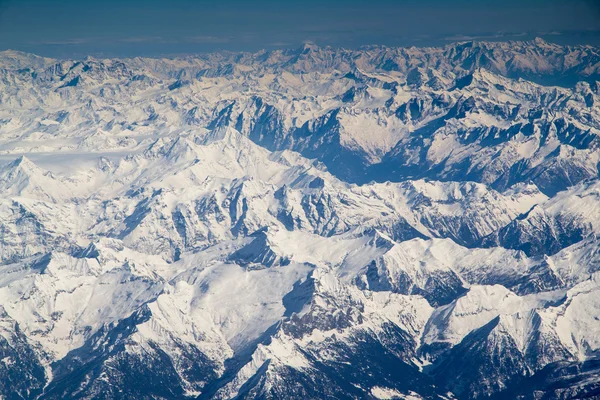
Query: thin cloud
498, 35
66, 42
208, 39
280, 44
552, 33
144, 39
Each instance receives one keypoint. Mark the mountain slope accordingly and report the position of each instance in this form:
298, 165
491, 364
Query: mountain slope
315, 223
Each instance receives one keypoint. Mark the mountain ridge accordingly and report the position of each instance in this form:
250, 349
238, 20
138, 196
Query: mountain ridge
315, 223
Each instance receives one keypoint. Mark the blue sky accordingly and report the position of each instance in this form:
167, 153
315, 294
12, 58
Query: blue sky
75, 28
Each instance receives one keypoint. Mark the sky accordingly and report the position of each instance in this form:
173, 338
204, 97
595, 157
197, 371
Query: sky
111, 28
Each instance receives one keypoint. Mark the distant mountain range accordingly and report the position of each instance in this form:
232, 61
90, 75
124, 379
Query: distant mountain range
317, 223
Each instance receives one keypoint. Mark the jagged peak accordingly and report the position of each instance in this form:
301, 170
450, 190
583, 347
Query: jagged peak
308, 47
523, 188
224, 134
13, 59
22, 54
172, 148
537, 211
521, 326
538, 41
261, 251
22, 160
373, 237
15, 53
22, 177
25, 165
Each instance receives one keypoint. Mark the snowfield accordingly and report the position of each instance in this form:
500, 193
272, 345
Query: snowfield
314, 223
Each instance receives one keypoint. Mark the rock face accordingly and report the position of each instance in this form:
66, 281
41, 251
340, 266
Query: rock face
312, 223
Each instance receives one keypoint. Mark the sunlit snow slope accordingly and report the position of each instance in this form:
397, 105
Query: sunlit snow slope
314, 223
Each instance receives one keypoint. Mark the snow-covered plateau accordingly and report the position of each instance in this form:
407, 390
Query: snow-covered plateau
317, 223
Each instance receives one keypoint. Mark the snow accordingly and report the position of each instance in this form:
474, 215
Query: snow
125, 195
386, 393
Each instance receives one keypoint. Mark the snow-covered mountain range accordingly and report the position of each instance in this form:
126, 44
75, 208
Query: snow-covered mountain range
415, 223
